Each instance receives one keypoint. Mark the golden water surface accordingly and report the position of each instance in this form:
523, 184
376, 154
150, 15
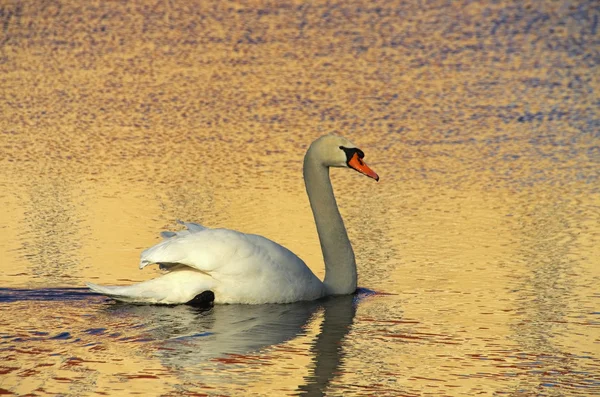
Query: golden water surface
478, 251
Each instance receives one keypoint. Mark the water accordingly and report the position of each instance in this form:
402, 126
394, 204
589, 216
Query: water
477, 251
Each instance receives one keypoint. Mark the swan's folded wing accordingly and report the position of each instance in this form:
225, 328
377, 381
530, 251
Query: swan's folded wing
205, 250
190, 228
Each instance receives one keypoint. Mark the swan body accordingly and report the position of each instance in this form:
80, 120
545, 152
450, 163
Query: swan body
251, 269
237, 267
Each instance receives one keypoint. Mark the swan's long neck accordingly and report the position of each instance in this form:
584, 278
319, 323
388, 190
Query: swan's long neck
340, 265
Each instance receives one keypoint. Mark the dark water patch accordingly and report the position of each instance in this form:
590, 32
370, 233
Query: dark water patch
62, 335
9, 295
196, 335
362, 293
95, 331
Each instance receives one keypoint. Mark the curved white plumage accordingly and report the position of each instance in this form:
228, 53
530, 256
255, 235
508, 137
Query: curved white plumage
236, 266
247, 268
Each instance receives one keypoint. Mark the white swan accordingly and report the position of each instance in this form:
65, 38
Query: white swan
247, 268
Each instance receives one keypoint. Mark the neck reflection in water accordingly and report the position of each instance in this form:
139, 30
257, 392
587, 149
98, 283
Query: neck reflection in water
224, 334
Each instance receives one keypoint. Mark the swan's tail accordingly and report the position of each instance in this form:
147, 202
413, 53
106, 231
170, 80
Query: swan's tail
123, 294
176, 287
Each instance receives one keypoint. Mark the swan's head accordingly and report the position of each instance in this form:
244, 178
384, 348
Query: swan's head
337, 151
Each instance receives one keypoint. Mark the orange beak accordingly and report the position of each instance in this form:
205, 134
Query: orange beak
360, 166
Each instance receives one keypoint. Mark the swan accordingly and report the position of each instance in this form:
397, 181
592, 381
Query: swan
235, 267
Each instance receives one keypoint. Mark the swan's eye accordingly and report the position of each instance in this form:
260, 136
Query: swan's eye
350, 152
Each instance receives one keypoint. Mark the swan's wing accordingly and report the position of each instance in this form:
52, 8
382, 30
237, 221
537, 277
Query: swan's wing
206, 250
190, 227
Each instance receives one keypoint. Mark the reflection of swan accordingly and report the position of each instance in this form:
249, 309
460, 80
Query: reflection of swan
328, 350
188, 337
246, 268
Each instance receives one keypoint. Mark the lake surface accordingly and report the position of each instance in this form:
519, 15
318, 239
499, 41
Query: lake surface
478, 252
